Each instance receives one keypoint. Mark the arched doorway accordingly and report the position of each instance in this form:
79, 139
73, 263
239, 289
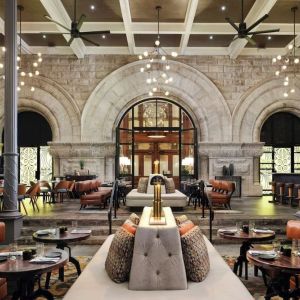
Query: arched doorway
282, 147
35, 161
156, 131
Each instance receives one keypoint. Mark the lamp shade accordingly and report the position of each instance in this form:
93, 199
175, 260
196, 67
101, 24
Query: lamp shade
157, 179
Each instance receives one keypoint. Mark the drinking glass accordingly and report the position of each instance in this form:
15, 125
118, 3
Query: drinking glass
238, 226
251, 225
13, 247
295, 247
276, 245
74, 224
40, 249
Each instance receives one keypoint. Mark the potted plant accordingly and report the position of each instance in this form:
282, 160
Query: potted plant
81, 163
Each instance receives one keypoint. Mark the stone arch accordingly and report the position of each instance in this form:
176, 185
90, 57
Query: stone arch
126, 86
54, 103
258, 104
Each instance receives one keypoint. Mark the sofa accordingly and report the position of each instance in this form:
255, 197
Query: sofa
137, 199
221, 192
221, 283
91, 193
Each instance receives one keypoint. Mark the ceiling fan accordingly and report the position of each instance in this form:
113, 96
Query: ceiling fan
74, 31
243, 32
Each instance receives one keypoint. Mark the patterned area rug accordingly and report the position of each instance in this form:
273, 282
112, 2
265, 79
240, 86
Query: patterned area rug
58, 288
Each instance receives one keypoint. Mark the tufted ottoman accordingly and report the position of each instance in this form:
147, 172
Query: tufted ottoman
157, 262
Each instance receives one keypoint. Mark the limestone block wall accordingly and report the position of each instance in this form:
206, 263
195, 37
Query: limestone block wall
229, 100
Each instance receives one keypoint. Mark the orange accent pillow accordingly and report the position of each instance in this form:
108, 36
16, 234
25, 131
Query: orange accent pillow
185, 227
129, 226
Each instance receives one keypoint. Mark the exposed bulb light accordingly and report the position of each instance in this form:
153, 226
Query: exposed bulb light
157, 42
39, 54
154, 89
171, 79
103, 36
274, 60
32, 89
284, 67
286, 78
35, 64
290, 46
154, 79
37, 73
293, 91
40, 59
167, 93
223, 8
140, 57
285, 95
286, 60
23, 74
163, 58
279, 57
296, 60
148, 66
30, 74
142, 69
277, 73
148, 80
167, 67
44, 36
269, 37
163, 75
174, 54
92, 7
167, 81
1, 66
146, 53
18, 89
286, 83
18, 58
22, 83
3, 49
211, 37
150, 94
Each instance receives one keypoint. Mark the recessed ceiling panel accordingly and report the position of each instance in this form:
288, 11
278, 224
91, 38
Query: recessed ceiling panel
51, 40
104, 10
33, 11
276, 41
166, 40
205, 40
110, 40
209, 11
281, 12
171, 10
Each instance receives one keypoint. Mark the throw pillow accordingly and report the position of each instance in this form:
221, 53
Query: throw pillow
134, 218
142, 185
181, 219
130, 226
195, 255
185, 227
119, 258
170, 185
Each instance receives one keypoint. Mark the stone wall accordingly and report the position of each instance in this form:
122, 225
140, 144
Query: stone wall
229, 100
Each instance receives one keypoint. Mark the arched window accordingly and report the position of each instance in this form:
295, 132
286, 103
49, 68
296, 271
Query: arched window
160, 131
280, 133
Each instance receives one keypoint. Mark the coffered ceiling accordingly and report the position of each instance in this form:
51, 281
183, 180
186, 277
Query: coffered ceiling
186, 26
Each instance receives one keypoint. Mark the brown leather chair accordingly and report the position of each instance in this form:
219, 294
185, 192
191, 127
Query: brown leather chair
221, 192
21, 196
3, 283
33, 193
61, 189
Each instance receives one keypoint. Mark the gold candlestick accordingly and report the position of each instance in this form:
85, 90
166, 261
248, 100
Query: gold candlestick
156, 163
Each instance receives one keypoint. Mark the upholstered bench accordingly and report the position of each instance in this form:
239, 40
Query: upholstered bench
221, 283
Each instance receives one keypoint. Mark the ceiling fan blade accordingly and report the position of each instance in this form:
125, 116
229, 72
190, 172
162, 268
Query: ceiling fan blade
264, 31
88, 40
80, 21
232, 24
251, 41
235, 38
257, 22
50, 33
50, 19
95, 32
70, 41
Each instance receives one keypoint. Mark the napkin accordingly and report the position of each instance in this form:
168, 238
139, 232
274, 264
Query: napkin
81, 231
14, 253
45, 260
263, 231
230, 230
46, 231
259, 252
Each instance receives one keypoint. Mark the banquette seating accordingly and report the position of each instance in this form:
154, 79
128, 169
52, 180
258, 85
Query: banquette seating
91, 193
221, 192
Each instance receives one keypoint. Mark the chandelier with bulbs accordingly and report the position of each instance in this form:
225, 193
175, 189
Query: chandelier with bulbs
287, 64
157, 66
24, 71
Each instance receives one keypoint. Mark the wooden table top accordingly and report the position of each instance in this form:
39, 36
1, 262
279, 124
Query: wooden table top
66, 237
282, 263
18, 268
251, 236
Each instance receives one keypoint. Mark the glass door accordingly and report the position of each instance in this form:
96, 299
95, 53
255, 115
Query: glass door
282, 160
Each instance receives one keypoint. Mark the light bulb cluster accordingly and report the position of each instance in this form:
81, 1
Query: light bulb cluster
30, 72
157, 68
286, 64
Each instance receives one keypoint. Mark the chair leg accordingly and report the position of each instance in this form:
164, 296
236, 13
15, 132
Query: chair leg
35, 202
24, 207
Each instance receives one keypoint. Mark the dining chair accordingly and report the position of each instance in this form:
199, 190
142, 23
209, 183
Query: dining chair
33, 193
45, 190
21, 196
61, 189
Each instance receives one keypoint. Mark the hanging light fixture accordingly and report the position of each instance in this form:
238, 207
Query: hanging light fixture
157, 67
27, 71
286, 62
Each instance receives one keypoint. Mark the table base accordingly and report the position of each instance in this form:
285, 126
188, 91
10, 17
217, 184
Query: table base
74, 261
242, 259
25, 290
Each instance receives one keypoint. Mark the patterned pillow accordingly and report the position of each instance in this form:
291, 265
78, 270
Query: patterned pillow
170, 185
130, 226
134, 218
181, 219
195, 255
185, 227
142, 185
118, 260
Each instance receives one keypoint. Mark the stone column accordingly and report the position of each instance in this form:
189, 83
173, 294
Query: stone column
10, 214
